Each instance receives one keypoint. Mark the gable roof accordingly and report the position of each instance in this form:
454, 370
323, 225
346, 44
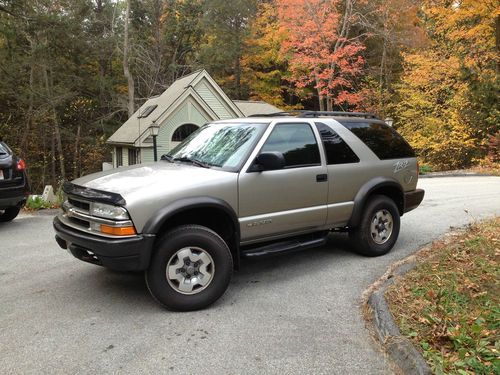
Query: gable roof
249, 107
134, 130
135, 126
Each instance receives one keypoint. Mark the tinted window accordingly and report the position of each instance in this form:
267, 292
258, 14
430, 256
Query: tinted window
4, 150
337, 151
296, 142
383, 140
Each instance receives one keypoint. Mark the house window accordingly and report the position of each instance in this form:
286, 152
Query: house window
147, 111
119, 157
133, 156
183, 131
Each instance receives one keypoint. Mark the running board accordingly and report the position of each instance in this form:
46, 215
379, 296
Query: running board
285, 246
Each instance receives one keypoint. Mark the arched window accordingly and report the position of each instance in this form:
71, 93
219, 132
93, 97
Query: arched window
183, 131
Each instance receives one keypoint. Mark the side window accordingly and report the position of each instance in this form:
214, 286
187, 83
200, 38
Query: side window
296, 142
384, 141
119, 157
336, 149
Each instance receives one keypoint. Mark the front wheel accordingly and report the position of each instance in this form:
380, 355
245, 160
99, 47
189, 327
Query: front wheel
9, 214
378, 230
190, 269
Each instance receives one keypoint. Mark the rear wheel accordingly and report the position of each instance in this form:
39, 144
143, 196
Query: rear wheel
378, 230
190, 269
9, 214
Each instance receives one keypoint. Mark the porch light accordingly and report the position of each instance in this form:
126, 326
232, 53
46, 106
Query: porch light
154, 129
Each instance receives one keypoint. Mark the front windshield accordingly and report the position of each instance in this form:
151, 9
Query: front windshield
223, 145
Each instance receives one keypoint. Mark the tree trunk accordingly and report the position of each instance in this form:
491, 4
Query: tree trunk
57, 130
329, 102
237, 72
126, 69
76, 155
29, 118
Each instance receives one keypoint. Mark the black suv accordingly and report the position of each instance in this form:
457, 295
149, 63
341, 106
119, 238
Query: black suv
14, 186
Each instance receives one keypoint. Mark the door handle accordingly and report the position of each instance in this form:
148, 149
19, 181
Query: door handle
321, 177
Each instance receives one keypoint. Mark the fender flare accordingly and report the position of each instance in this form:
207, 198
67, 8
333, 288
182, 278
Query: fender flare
156, 221
368, 188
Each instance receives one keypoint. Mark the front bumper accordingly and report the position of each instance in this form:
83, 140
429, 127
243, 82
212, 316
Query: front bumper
122, 254
413, 199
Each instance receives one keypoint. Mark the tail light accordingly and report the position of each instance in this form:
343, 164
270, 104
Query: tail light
418, 169
21, 165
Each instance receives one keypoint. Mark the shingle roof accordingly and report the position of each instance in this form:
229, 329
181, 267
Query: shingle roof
255, 107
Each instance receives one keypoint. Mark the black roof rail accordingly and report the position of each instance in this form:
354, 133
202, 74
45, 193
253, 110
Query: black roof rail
305, 113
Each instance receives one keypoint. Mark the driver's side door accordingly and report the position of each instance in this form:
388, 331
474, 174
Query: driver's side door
288, 200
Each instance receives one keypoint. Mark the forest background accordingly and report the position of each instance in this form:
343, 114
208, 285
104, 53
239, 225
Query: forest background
72, 71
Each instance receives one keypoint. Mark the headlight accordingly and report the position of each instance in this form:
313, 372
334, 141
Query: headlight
108, 211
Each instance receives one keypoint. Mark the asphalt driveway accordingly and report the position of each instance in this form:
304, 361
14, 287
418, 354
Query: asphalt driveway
293, 314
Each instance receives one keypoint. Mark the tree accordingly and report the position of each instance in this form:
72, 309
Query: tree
126, 69
227, 26
320, 50
431, 97
264, 66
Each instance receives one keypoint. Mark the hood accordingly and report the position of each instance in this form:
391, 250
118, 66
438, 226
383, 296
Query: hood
160, 178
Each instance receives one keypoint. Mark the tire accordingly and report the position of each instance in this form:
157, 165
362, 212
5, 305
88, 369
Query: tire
369, 238
195, 255
9, 214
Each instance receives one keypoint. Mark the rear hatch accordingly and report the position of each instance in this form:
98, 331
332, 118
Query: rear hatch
9, 175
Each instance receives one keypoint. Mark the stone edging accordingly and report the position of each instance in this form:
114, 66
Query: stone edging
399, 348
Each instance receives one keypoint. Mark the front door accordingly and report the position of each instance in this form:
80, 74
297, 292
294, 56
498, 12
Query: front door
292, 199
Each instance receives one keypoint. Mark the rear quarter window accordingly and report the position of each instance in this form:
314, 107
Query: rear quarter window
4, 150
384, 141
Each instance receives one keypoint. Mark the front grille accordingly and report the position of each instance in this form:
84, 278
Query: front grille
79, 222
77, 214
79, 204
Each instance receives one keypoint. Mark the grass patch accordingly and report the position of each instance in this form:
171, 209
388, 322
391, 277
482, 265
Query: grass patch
423, 169
449, 304
37, 203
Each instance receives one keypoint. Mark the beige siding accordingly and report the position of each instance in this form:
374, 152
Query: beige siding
187, 113
147, 155
213, 100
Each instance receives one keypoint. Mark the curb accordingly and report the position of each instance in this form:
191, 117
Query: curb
399, 348
457, 174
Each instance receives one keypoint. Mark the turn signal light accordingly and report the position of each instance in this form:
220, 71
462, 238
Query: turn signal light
21, 165
117, 231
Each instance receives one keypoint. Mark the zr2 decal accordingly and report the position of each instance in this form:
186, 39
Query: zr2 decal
400, 165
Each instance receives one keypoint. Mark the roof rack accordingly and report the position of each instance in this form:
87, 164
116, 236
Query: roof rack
305, 113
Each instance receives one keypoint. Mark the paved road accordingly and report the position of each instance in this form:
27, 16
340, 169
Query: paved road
296, 314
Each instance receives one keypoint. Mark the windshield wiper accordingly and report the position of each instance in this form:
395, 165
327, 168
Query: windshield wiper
167, 157
192, 161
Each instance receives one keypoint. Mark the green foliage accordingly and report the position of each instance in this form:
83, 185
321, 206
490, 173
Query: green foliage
37, 203
425, 169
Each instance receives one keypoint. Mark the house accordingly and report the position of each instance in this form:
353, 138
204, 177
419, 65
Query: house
187, 104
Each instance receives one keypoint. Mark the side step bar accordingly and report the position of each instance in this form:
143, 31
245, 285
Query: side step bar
284, 246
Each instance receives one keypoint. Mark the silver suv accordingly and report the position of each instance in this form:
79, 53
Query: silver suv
242, 188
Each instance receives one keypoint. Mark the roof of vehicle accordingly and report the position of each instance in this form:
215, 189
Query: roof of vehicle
301, 114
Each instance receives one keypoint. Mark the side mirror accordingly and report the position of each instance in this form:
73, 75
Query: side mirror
269, 161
